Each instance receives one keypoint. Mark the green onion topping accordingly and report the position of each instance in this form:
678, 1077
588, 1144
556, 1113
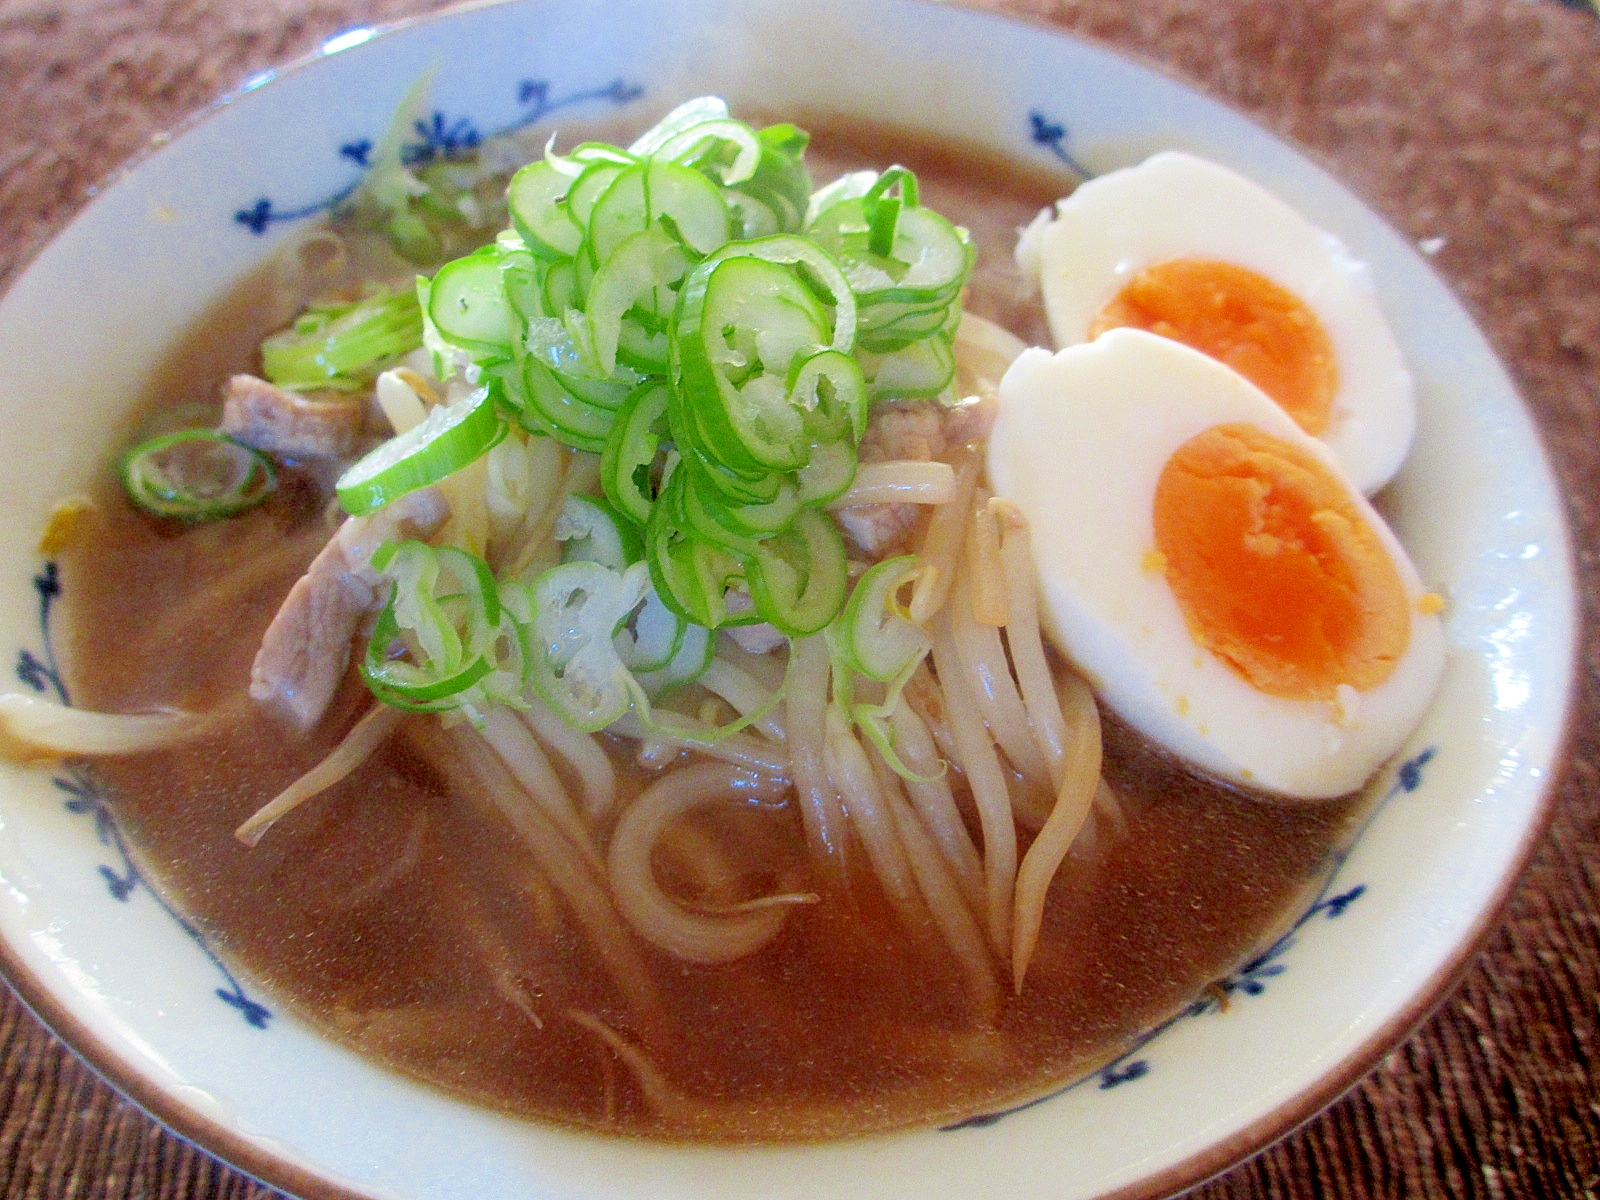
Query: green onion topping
688, 308
196, 475
344, 346
450, 437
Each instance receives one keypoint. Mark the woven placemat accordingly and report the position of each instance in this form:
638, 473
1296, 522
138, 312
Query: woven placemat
1474, 126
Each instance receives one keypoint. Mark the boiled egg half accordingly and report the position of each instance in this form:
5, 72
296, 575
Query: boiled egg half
1188, 249
1211, 568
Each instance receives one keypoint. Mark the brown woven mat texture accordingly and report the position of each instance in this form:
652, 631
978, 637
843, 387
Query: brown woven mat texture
1474, 124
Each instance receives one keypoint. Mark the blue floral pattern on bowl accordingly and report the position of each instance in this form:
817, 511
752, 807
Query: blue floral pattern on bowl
1249, 979
87, 798
1053, 136
438, 136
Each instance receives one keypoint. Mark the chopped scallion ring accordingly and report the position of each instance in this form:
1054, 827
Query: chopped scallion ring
578, 608
876, 635
590, 530
196, 475
441, 636
452, 436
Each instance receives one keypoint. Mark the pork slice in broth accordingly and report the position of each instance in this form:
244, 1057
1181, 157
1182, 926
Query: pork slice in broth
306, 649
275, 421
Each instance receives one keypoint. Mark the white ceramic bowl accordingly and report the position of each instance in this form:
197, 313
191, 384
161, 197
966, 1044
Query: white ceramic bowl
138, 993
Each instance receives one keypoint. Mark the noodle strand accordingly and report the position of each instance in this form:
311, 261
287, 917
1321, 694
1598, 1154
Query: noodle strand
853, 779
365, 736
950, 913
1026, 642
900, 482
657, 917
461, 752
755, 755
583, 755
806, 703
935, 802
987, 669
1066, 819
988, 587
941, 544
986, 778
735, 685
523, 757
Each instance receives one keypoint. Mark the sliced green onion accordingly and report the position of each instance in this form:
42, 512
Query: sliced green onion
343, 346
651, 636
535, 197
589, 530
727, 486
687, 664
645, 270
687, 115
769, 518
552, 398
874, 637
829, 474
877, 635
891, 248
451, 436
923, 368
468, 305
741, 323
705, 521
727, 149
442, 355
874, 720
196, 475
798, 579
441, 632
814, 267
829, 388
781, 183
850, 186
617, 316
577, 609
522, 281
658, 194
630, 451
559, 289
886, 327
691, 575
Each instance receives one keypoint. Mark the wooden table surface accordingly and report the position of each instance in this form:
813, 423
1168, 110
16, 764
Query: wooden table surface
1473, 125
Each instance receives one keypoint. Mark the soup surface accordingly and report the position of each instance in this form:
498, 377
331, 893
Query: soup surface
398, 915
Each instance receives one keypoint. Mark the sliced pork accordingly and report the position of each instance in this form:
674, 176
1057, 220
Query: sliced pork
290, 425
908, 431
306, 649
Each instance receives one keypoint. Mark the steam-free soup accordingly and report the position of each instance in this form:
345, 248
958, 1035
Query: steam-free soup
402, 913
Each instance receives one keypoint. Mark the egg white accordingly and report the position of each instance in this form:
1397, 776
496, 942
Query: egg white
1175, 205
1079, 444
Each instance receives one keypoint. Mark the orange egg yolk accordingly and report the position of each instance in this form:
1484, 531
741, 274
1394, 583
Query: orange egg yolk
1276, 570
1237, 317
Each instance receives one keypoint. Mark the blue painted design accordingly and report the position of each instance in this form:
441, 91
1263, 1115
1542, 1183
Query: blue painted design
1249, 979
44, 674
1411, 770
438, 136
1123, 1072
1053, 136
86, 798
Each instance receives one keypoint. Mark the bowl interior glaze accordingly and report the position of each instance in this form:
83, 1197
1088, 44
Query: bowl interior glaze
139, 993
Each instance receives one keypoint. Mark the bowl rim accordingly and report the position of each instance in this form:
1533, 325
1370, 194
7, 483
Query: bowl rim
240, 1152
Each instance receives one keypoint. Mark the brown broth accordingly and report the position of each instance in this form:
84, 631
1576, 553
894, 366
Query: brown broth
392, 914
